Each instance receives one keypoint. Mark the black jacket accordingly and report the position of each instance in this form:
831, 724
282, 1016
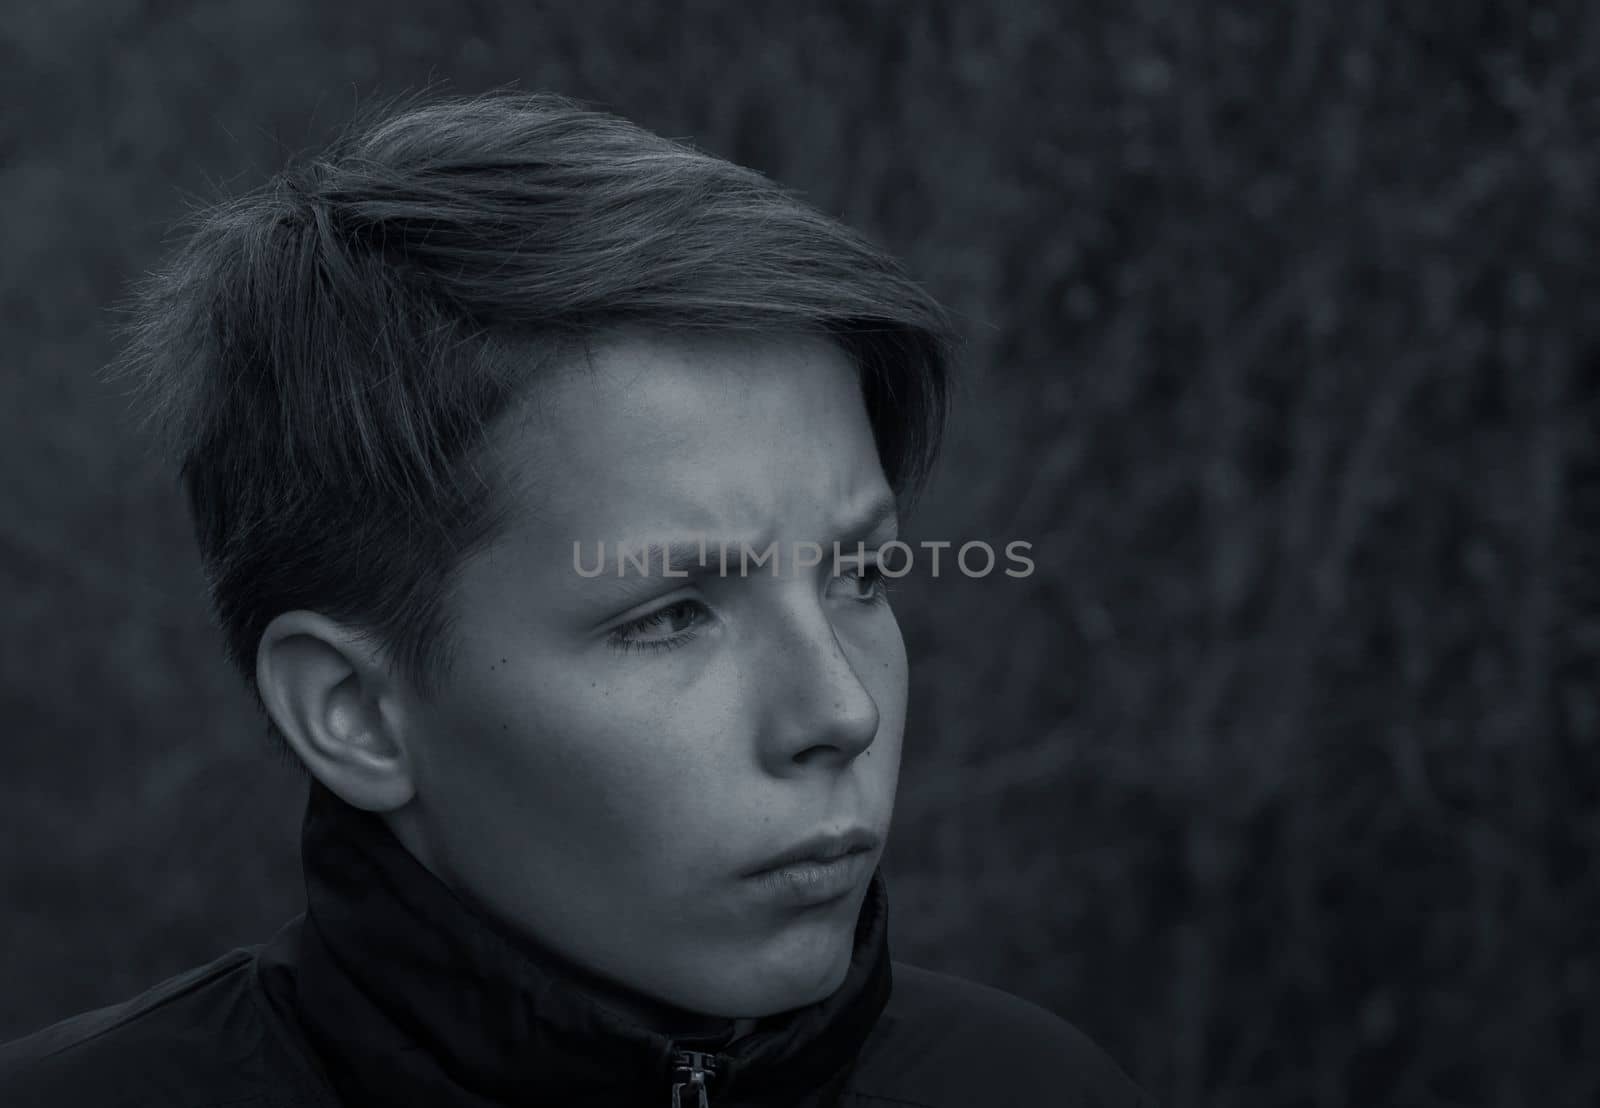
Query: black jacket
389, 990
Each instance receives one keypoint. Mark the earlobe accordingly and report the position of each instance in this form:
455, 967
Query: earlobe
325, 689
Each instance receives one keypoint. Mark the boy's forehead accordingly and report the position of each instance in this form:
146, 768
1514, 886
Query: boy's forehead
688, 432
631, 375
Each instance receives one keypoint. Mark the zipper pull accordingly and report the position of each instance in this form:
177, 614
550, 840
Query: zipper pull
692, 1071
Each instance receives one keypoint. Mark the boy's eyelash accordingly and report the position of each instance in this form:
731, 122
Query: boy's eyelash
880, 583
618, 639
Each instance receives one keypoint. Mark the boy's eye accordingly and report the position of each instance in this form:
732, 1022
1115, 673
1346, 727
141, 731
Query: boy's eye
666, 619
677, 624
662, 629
870, 582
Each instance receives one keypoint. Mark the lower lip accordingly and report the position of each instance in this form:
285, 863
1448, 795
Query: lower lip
813, 883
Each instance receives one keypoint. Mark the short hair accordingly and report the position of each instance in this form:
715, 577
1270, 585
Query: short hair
324, 355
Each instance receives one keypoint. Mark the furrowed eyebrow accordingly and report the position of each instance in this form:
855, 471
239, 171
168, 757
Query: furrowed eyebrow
702, 559
881, 513
684, 556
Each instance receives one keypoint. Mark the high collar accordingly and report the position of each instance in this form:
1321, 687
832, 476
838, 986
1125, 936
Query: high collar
412, 996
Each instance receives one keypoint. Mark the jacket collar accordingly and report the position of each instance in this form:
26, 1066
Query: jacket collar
410, 996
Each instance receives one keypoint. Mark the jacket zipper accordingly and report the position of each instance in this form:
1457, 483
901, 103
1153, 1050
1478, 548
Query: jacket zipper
692, 1072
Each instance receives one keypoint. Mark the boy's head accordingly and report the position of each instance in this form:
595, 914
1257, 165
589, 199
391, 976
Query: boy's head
405, 378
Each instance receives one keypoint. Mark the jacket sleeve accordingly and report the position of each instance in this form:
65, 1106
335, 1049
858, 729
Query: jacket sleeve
1051, 1061
946, 1040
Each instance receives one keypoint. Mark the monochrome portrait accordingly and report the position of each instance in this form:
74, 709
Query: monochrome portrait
860, 555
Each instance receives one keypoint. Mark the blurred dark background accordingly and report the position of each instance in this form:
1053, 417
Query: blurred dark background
1278, 777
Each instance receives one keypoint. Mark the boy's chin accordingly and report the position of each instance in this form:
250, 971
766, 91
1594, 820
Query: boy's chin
781, 985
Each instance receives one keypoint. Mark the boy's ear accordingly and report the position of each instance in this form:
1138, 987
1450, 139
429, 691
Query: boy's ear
336, 703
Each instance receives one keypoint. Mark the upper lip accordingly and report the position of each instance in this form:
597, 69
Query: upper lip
822, 847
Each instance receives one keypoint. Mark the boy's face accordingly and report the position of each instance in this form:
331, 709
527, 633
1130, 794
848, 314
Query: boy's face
609, 802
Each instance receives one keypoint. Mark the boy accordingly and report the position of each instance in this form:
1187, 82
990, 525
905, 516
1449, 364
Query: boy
570, 838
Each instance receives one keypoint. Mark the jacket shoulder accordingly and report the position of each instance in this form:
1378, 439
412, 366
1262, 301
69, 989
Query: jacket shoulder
193, 1040
945, 1040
